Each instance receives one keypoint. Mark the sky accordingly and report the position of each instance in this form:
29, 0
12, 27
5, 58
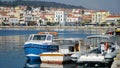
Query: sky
110, 5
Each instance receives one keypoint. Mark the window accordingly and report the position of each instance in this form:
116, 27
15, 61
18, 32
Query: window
39, 37
49, 37
71, 49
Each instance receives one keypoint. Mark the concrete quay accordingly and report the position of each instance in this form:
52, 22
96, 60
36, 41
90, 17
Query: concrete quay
116, 62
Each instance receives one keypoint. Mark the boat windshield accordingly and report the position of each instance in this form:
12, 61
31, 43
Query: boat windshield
39, 37
94, 41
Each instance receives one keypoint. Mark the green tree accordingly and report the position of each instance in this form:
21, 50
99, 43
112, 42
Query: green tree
29, 8
50, 24
32, 23
40, 21
118, 22
112, 24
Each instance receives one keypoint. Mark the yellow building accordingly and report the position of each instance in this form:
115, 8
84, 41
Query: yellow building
49, 17
17, 12
100, 16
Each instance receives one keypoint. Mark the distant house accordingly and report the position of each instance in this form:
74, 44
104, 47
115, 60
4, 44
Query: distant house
13, 20
50, 17
72, 18
113, 19
28, 18
87, 18
4, 17
43, 20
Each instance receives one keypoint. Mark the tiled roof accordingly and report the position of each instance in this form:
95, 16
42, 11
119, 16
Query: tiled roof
102, 11
3, 13
114, 16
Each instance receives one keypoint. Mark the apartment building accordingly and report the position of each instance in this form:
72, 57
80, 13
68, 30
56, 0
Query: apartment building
100, 16
60, 16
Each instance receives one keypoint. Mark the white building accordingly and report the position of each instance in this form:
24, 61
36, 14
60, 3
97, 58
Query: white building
13, 20
113, 19
28, 17
73, 19
60, 16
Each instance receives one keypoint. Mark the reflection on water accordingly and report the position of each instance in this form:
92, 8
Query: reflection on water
12, 42
93, 65
46, 65
38, 64
33, 64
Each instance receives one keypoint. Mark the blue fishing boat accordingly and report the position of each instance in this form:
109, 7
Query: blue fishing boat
39, 43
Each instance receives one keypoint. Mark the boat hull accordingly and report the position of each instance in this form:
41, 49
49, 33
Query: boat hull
94, 58
32, 51
55, 58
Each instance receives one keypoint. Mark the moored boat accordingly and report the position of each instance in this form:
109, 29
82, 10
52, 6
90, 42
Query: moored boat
39, 43
67, 47
102, 49
117, 30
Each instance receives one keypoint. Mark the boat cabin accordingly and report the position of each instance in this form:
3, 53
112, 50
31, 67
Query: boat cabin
68, 44
41, 37
100, 43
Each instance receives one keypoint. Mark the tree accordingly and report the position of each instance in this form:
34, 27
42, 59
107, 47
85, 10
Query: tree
42, 8
32, 23
40, 21
29, 8
112, 24
50, 24
118, 22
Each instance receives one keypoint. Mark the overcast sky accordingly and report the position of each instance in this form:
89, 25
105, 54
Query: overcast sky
110, 5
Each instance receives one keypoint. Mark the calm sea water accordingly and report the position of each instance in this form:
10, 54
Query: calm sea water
12, 53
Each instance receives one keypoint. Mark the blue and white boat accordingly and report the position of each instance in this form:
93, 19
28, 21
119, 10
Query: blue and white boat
39, 43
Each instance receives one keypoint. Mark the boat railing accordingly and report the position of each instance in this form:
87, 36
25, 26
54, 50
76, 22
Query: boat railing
53, 33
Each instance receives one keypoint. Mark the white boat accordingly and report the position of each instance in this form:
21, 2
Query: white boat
102, 48
67, 47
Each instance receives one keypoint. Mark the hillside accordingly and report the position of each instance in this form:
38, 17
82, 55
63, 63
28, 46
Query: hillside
38, 3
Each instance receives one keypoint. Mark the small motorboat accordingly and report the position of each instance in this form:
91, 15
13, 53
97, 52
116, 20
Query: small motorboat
102, 48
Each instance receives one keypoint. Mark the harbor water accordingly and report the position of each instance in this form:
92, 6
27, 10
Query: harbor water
12, 53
